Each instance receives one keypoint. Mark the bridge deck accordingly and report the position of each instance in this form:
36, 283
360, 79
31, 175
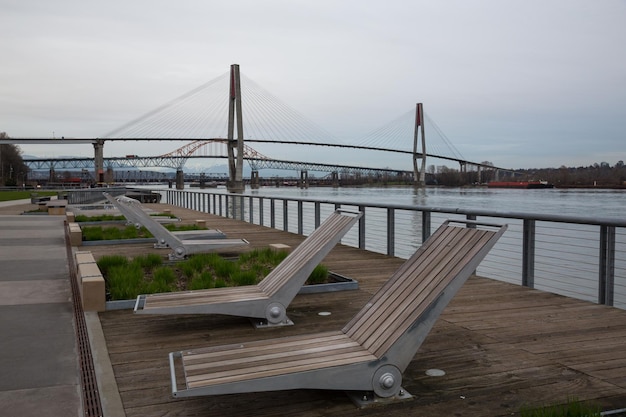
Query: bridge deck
501, 346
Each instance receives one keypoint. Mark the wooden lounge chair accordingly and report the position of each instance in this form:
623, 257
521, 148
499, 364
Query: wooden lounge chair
267, 301
181, 245
370, 353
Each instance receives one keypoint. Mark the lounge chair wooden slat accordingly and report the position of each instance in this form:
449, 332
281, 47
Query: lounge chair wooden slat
285, 270
371, 351
267, 300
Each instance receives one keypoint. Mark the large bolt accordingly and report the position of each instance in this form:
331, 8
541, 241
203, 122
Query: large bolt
275, 312
387, 381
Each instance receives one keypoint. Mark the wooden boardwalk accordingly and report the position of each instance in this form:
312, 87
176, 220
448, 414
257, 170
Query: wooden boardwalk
502, 346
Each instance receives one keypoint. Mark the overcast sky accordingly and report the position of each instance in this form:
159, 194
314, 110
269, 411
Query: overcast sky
520, 83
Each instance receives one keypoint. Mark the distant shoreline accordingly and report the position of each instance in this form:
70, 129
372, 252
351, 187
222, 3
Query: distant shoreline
591, 187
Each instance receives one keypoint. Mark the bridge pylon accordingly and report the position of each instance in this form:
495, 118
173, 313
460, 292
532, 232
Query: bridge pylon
419, 173
98, 147
235, 146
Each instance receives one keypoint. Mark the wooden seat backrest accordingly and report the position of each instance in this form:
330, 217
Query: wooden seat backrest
321, 239
414, 286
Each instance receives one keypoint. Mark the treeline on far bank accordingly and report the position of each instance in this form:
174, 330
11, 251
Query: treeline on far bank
596, 175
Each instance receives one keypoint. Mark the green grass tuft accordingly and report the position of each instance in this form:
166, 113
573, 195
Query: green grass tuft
125, 281
21, 195
101, 218
109, 261
147, 274
319, 275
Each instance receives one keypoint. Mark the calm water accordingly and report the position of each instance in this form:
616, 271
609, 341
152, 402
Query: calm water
570, 202
566, 254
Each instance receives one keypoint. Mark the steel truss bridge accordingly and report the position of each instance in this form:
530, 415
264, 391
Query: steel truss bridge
215, 148
202, 149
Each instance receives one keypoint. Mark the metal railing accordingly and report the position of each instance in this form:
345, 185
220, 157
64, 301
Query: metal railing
580, 257
93, 195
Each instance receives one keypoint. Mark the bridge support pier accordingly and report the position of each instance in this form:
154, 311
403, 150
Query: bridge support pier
254, 180
180, 179
334, 177
304, 179
98, 148
109, 175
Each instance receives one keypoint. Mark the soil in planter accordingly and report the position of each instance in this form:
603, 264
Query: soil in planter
148, 274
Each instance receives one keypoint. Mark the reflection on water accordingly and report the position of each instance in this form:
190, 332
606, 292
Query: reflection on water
570, 202
566, 254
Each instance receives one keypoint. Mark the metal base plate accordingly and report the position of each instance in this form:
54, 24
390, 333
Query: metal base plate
369, 399
264, 324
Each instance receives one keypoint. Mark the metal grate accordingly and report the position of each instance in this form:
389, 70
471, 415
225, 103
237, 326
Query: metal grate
91, 396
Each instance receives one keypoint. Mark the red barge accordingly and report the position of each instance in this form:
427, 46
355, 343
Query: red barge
520, 184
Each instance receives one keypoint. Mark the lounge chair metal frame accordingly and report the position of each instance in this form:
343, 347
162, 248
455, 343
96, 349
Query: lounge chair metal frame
132, 210
371, 352
267, 301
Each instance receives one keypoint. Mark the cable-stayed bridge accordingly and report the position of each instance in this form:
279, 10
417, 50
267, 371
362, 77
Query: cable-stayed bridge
257, 117
206, 148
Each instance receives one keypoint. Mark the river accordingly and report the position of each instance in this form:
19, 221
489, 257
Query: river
566, 257
594, 203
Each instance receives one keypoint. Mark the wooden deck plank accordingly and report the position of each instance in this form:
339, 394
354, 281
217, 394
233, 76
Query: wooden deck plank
502, 346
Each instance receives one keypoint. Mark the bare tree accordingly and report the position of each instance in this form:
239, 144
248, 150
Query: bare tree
12, 167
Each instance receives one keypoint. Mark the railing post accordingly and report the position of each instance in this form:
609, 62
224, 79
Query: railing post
317, 214
528, 254
285, 218
300, 219
261, 202
606, 284
425, 225
362, 228
391, 231
251, 208
272, 213
471, 217
241, 208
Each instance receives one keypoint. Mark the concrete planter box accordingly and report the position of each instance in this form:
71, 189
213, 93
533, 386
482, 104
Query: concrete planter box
118, 241
341, 284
